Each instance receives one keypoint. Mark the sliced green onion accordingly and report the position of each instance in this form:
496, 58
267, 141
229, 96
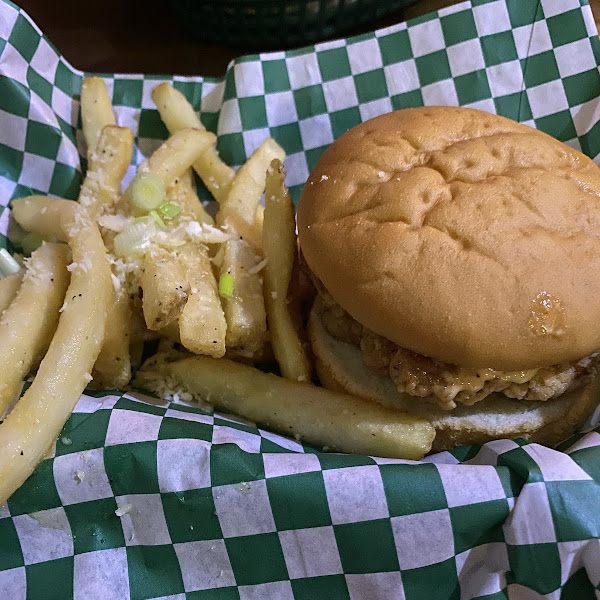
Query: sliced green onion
8, 265
169, 210
32, 241
226, 285
159, 222
133, 239
147, 191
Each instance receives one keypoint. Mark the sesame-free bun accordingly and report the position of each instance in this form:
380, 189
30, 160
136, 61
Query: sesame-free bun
340, 367
459, 235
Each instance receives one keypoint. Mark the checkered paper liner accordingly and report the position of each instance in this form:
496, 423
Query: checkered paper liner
146, 499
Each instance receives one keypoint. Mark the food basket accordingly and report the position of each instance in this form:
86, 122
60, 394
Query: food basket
153, 498
278, 23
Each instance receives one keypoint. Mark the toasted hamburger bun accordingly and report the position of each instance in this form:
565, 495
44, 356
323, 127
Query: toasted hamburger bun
340, 367
459, 235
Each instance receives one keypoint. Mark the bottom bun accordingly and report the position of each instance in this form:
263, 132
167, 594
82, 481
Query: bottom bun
340, 367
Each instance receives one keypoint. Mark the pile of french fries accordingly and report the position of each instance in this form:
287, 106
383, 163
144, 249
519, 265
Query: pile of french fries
113, 274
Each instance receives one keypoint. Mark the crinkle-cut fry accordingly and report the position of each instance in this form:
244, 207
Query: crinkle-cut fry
28, 324
239, 207
107, 165
182, 193
96, 110
165, 288
36, 420
202, 325
177, 154
113, 366
9, 286
280, 248
41, 214
177, 113
315, 415
245, 310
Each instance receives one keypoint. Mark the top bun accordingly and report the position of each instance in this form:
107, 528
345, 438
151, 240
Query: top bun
459, 235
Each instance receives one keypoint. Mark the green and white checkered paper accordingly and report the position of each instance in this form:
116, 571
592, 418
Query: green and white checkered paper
215, 508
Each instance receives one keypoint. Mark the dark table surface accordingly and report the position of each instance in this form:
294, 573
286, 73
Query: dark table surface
142, 36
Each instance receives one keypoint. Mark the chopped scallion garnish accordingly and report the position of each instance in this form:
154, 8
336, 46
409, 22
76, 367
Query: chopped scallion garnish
226, 285
159, 222
8, 265
169, 210
134, 238
147, 191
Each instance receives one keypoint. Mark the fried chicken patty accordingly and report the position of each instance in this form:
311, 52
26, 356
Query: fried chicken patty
445, 383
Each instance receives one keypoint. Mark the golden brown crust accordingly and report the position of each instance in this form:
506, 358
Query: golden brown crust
340, 368
459, 235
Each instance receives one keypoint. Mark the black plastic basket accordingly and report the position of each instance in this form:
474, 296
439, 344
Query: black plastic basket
278, 23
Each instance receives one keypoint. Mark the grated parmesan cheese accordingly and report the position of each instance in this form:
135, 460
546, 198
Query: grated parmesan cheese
258, 267
85, 265
113, 222
116, 282
205, 233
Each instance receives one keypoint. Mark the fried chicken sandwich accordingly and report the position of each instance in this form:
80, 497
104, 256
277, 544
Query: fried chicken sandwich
456, 257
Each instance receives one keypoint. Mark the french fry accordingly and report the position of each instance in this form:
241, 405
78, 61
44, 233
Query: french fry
177, 154
259, 218
164, 283
174, 109
107, 165
41, 214
28, 324
9, 286
182, 193
96, 110
280, 247
36, 420
314, 415
239, 207
245, 310
100, 192
113, 366
202, 325
165, 288
177, 113
139, 334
